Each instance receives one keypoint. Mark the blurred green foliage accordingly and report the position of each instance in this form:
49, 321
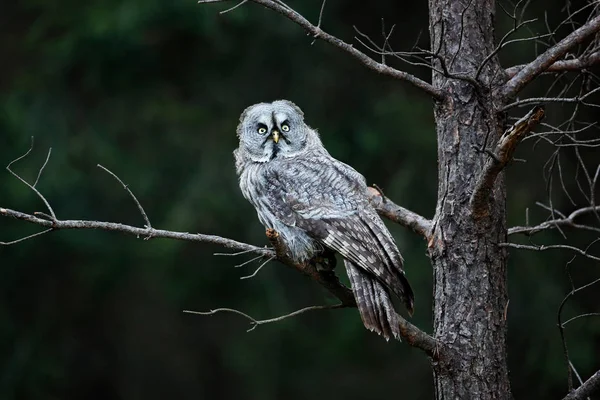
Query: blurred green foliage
152, 90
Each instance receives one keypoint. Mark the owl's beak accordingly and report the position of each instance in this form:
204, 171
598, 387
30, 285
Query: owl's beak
275, 135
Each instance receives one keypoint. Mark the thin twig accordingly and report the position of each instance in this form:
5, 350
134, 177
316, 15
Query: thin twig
241, 3
539, 100
258, 269
25, 238
247, 262
137, 203
32, 187
594, 314
237, 253
135, 231
39, 175
564, 221
576, 64
550, 247
255, 322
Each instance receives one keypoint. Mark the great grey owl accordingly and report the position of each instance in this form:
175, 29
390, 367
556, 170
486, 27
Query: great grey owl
316, 203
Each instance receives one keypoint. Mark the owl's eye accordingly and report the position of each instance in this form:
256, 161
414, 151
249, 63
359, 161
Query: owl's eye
262, 130
285, 127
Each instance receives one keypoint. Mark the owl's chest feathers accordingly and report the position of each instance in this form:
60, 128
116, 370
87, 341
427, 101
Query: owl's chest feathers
257, 183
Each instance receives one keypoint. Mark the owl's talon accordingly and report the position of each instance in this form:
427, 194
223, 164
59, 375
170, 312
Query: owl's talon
271, 234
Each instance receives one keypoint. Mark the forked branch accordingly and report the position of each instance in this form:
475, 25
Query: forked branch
500, 157
256, 322
576, 64
548, 58
568, 221
318, 33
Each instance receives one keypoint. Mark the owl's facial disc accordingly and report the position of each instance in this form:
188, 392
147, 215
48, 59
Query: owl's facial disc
270, 131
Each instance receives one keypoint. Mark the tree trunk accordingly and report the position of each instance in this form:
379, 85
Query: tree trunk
470, 286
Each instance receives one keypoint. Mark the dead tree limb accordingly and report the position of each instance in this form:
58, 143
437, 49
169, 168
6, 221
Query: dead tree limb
400, 215
576, 64
318, 33
500, 157
549, 57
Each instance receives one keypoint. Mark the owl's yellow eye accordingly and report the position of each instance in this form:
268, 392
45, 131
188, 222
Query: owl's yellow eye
262, 130
285, 127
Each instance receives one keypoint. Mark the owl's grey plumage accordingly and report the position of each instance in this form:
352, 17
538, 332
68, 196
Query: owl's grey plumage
315, 202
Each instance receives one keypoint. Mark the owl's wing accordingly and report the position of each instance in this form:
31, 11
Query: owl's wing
328, 201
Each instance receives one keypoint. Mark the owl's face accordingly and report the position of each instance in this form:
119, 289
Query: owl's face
270, 130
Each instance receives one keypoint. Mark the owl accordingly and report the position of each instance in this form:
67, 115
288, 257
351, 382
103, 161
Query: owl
317, 203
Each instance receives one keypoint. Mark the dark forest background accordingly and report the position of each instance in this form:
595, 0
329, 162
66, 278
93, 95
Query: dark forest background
153, 91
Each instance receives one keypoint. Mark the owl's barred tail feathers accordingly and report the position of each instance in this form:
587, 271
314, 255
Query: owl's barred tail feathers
374, 303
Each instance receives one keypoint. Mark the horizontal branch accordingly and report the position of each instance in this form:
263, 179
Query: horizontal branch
400, 215
560, 222
576, 64
413, 335
502, 155
146, 233
548, 58
550, 247
316, 32
256, 322
589, 387
541, 100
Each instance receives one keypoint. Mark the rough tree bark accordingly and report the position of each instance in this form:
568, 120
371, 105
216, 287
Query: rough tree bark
470, 290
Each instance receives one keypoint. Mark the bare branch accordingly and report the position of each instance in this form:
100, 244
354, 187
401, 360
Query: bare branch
553, 223
247, 261
589, 387
135, 231
388, 209
550, 247
502, 155
318, 33
576, 64
241, 3
539, 100
258, 269
594, 314
321, 13
549, 57
32, 187
39, 175
255, 322
137, 203
503, 42
24, 238
413, 335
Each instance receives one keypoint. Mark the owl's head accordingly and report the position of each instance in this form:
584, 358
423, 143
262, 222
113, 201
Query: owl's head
270, 130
